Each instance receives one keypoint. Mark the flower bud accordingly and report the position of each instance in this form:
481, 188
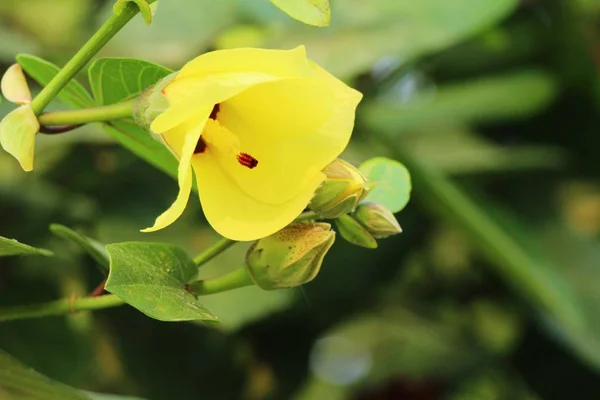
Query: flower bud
17, 135
344, 187
354, 232
290, 257
151, 103
377, 220
14, 86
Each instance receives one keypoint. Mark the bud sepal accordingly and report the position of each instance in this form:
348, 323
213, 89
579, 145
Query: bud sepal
377, 220
341, 192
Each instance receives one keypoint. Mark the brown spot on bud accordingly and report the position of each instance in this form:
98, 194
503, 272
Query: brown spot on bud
247, 160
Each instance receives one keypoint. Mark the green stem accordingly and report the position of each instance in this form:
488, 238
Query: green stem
83, 56
60, 307
233, 280
86, 115
213, 251
307, 216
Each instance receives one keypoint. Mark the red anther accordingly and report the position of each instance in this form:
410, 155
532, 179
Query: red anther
247, 160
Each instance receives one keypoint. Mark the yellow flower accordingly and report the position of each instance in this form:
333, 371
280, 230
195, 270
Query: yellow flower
256, 127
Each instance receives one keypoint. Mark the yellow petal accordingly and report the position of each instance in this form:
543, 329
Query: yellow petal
281, 124
207, 93
17, 135
279, 63
14, 86
188, 143
234, 214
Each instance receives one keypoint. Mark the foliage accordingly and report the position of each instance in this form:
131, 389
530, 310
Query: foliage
491, 291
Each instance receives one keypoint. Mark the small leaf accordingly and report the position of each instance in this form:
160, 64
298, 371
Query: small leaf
152, 277
17, 135
11, 247
93, 248
311, 12
118, 79
391, 181
143, 6
43, 71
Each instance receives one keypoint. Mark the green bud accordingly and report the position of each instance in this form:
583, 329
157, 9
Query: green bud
344, 187
354, 232
290, 257
151, 103
377, 220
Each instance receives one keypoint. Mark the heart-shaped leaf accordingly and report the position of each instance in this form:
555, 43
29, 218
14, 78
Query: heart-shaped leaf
391, 182
153, 277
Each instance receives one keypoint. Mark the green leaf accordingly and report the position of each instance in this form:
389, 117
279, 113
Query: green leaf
93, 248
119, 79
311, 12
391, 181
11, 247
43, 71
20, 382
152, 277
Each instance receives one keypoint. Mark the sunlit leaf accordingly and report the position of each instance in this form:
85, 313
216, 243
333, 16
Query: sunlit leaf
311, 12
152, 277
391, 182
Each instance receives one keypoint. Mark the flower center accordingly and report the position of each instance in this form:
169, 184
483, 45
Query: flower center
222, 141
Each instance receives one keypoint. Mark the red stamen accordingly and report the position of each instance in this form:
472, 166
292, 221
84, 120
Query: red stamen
247, 160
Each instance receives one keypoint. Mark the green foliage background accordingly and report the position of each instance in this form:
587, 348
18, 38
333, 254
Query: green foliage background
491, 292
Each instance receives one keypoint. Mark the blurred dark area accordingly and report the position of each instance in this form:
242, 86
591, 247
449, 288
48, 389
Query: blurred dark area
492, 291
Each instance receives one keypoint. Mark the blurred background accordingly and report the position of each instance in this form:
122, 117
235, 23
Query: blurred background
491, 292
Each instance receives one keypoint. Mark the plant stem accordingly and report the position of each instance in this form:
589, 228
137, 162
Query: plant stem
60, 307
233, 280
83, 56
213, 251
86, 115
306, 216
